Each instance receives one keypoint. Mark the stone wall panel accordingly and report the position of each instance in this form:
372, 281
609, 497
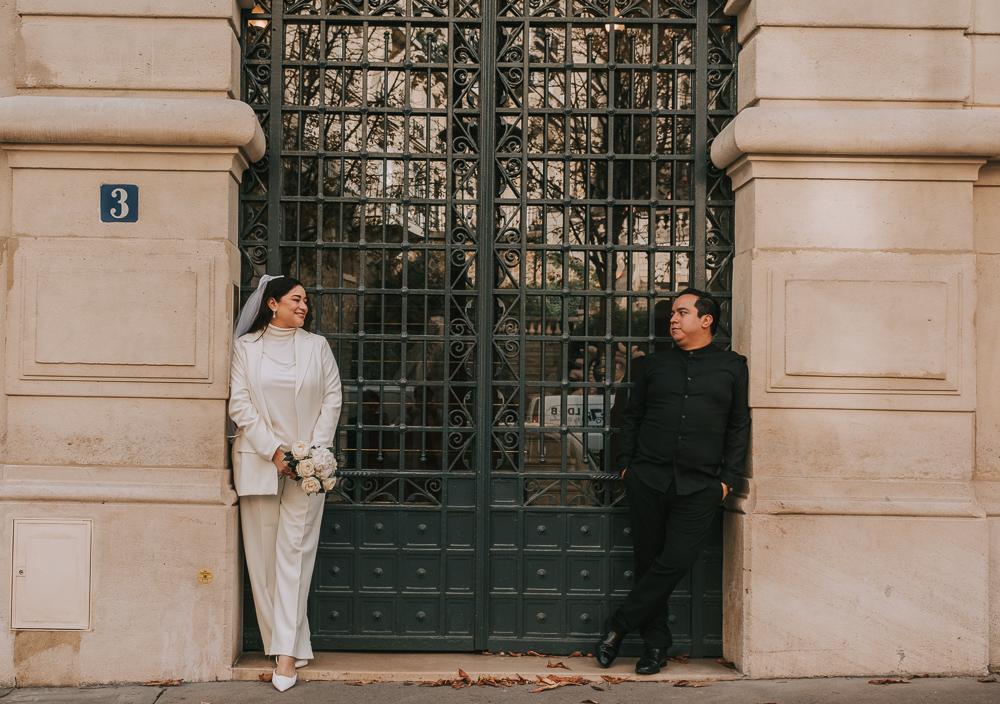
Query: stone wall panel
67, 53
861, 214
866, 596
856, 64
826, 443
986, 68
986, 17
116, 432
880, 357
148, 557
172, 205
146, 317
891, 14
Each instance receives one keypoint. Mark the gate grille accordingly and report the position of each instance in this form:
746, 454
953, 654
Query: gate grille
486, 199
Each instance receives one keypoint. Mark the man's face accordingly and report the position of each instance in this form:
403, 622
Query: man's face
686, 328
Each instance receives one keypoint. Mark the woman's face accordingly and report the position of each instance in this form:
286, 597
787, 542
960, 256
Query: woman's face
290, 311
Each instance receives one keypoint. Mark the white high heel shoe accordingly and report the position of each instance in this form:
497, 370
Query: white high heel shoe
282, 683
301, 663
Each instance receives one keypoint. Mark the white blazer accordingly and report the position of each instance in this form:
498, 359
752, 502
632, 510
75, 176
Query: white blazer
318, 399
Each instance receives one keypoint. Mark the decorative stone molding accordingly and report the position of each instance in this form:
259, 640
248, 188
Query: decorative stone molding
202, 122
891, 132
116, 485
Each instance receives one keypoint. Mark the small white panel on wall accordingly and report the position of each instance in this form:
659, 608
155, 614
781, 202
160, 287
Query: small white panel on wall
51, 574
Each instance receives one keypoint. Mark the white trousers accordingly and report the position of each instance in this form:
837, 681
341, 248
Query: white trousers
280, 537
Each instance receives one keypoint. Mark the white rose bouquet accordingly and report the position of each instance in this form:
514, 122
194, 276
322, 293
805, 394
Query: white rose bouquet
314, 467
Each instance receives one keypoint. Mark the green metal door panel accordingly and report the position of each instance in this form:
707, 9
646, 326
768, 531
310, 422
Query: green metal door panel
504, 491
622, 574
337, 531
421, 571
587, 532
504, 532
542, 618
421, 529
378, 529
421, 616
337, 611
461, 569
486, 200
503, 617
544, 573
586, 574
377, 572
584, 618
504, 568
461, 531
334, 572
377, 616
543, 530
460, 618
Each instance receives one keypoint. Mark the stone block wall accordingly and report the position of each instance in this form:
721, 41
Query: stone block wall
861, 544
117, 334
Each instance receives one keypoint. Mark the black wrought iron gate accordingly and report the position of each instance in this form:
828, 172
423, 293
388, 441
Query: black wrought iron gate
486, 200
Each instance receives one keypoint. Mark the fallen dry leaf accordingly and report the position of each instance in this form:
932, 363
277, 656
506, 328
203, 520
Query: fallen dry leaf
588, 701
514, 655
537, 655
727, 663
918, 677
575, 654
595, 687
888, 681
611, 679
987, 679
265, 676
553, 681
557, 664
463, 680
486, 653
165, 683
359, 683
683, 658
688, 683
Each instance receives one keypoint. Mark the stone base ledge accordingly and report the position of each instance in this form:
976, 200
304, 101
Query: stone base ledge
859, 132
861, 497
131, 121
117, 485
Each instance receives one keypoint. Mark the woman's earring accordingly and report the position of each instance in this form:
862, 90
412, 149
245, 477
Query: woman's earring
274, 314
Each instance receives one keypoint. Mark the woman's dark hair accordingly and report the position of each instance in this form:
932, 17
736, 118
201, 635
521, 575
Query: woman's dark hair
706, 305
276, 289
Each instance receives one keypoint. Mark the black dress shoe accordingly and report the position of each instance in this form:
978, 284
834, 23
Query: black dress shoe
608, 647
651, 661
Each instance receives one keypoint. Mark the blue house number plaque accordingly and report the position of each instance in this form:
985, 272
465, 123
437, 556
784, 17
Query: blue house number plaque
119, 202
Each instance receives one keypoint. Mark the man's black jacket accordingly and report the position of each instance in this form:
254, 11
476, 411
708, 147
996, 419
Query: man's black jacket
687, 419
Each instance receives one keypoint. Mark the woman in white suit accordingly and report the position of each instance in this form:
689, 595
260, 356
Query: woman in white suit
284, 387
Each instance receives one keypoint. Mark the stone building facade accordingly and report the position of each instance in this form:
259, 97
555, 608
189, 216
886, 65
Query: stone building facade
865, 294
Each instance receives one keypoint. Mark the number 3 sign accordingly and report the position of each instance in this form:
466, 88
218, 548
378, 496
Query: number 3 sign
119, 202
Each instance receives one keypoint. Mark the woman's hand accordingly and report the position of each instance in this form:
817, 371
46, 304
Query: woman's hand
279, 462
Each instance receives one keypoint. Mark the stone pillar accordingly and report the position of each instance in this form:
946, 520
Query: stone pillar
860, 544
985, 37
117, 334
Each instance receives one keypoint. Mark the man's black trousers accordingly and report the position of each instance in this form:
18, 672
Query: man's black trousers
668, 532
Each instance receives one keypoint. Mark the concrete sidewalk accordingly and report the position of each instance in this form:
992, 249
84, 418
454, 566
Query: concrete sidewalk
421, 667
962, 690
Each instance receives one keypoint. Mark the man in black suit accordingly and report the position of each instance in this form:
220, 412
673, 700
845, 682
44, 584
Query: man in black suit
683, 444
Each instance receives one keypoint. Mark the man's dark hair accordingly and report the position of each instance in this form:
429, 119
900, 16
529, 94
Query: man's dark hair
706, 305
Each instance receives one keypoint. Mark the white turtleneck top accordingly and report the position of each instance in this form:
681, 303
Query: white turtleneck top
277, 380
